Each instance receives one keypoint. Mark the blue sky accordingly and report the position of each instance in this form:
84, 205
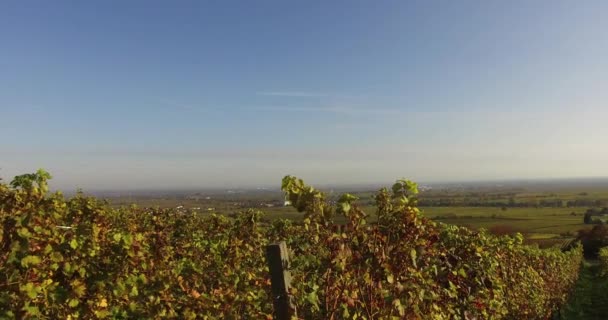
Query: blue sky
168, 94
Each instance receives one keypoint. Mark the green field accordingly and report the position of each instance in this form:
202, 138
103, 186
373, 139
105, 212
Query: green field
545, 214
545, 221
534, 223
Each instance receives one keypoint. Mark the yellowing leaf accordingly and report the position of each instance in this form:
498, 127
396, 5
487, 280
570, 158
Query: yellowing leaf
103, 303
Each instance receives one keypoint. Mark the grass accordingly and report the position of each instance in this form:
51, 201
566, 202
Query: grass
509, 212
538, 223
541, 236
589, 300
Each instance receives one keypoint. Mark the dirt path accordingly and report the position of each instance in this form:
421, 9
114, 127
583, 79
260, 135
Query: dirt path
590, 299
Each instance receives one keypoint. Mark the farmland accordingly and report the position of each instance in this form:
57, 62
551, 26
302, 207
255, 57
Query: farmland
545, 212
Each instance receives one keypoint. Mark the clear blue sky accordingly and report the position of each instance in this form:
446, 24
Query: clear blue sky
150, 94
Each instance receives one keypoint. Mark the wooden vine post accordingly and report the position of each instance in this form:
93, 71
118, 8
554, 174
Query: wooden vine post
277, 258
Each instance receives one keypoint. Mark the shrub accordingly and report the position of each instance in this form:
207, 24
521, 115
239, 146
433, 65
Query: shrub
593, 239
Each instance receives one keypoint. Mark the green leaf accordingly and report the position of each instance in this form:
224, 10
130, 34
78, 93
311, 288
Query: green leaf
24, 233
345, 207
134, 292
462, 273
313, 299
30, 261
31, 310
73, 303
56, 257
31, 290
413, 255
74, 244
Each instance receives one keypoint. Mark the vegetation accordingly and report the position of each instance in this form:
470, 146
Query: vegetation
593, 239
540, 222
522, 195
589, 300
603, 261
594, 216
80, 258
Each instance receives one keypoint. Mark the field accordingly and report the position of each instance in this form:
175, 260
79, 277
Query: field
546, 226
547, 213
537, 224
533, 221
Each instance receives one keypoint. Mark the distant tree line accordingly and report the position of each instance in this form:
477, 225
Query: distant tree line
511, 203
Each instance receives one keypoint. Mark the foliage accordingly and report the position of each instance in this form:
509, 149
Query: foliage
603, 260
79, 258
593, 239
594, 216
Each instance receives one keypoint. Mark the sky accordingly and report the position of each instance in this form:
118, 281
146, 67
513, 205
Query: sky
188, 94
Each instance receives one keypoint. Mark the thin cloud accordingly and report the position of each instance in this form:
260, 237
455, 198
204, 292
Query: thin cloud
343, 110
309, 94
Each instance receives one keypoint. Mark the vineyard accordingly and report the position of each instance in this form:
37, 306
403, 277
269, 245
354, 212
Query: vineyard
79, 258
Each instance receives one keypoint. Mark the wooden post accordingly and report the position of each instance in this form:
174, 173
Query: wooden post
277, 258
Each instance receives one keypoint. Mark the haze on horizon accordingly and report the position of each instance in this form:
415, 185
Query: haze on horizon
157, 94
